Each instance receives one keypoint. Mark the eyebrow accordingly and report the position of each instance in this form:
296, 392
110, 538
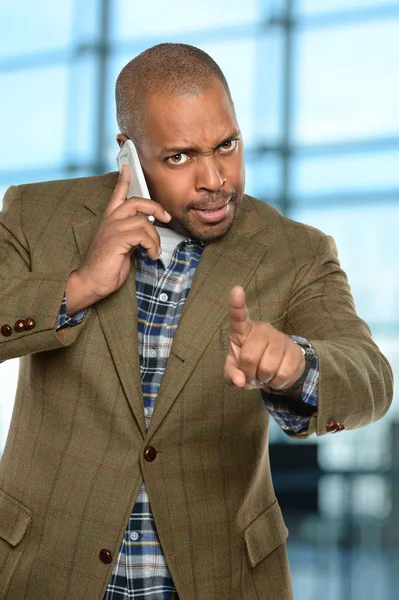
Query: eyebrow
173, 150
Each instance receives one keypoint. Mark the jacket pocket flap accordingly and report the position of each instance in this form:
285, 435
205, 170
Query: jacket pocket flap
14, 519
265, 534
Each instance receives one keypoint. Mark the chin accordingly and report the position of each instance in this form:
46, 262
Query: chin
209, 233
203, 233
215, 233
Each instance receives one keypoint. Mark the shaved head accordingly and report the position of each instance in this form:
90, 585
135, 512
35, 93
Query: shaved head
170, 70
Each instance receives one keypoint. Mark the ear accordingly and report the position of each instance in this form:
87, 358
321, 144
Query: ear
121, 139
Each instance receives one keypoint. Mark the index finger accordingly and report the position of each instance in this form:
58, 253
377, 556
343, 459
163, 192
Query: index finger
239, 320
144, 206
120, 192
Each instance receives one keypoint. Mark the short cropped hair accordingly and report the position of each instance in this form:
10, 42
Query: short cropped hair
167, 69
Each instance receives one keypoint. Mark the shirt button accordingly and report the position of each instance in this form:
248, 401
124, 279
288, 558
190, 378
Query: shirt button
163, 297
134, 536
152, 353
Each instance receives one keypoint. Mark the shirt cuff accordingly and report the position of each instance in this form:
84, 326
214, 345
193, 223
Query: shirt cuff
64, 320
285, 416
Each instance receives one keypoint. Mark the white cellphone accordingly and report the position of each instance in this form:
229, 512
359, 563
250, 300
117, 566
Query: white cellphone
138, 185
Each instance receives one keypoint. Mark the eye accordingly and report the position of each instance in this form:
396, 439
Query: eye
228, 146
177, 159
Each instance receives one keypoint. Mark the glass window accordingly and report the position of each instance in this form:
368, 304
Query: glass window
236, 58
132, 20
263, 177
33, 107
368, 246
309, 7
86, 21
39, 26
361, 449
81, 112
366, 495
388, 340
8, 378
346, 84
344, 173
268, 88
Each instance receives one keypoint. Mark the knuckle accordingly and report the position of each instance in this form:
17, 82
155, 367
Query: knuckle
264, 374
284, 374
248, 357
140, 222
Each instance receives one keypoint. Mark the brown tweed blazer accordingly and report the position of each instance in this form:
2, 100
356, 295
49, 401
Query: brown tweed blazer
73, 462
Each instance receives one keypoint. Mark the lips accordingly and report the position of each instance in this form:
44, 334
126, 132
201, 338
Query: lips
213, 213
213, 206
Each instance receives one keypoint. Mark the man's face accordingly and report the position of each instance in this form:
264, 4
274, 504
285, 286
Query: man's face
192, 157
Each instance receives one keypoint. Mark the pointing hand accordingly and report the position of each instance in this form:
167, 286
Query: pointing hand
259, 355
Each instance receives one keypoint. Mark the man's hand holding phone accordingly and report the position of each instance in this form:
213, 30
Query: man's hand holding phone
124, 226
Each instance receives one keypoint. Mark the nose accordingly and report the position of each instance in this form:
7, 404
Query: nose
209, 175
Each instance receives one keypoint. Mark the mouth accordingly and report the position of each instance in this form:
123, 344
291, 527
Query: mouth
213, 213
213, 207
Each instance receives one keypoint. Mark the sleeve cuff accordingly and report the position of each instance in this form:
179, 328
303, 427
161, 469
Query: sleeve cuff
64, 320
284, 415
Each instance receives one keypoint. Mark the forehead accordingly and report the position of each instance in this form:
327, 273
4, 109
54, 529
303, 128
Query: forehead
204, 118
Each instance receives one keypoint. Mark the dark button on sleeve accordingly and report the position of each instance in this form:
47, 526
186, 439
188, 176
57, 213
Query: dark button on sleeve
149, 453
334, 427
105, 556
6, 330
19, 326
29, 323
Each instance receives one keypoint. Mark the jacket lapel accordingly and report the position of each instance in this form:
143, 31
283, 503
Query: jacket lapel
230, 261
118, 312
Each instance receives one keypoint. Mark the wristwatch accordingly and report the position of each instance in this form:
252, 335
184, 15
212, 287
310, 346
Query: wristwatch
308, 354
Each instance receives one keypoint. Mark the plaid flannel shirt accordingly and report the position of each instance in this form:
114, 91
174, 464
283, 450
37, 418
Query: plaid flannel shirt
140, 571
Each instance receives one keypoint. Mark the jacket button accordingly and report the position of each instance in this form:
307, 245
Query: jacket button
334, 427
149, 453
105, 556
29, 323
6, 330
19, 326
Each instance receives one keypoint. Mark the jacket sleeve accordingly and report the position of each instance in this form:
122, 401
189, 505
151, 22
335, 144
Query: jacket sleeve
28, 292
355, 379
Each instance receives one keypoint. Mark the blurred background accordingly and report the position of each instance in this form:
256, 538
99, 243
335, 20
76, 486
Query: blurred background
316, 88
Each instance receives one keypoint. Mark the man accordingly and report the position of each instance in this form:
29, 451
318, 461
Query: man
136, 467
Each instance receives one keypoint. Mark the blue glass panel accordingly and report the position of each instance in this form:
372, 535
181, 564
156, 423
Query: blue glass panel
37, 26
268, 87
81, 116
368, 244
237, 61
345, 173
8, 378
346, 83
263, 177
32, 117
132, 20
309, 7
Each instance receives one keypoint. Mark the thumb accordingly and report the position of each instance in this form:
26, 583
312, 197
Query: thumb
239, 321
